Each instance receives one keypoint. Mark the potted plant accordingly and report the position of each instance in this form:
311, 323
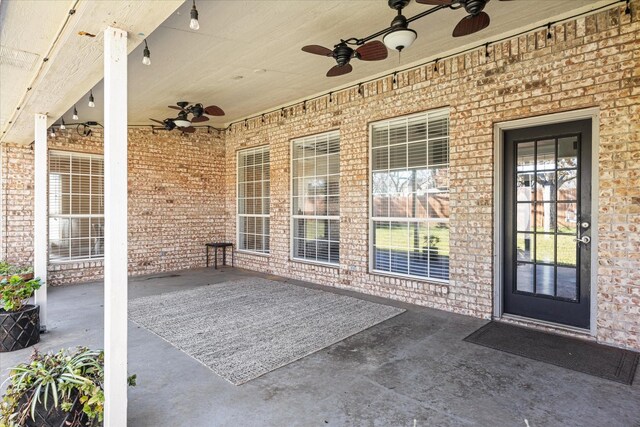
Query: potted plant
56, 389
7, 270
19, 321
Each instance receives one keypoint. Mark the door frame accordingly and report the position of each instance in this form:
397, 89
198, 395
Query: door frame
499, 129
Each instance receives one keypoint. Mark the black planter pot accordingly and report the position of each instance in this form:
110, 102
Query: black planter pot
56, 417
19, 329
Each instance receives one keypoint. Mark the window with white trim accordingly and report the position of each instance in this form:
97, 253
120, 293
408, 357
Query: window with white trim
315, 198
410, 195
76, 206
254, 199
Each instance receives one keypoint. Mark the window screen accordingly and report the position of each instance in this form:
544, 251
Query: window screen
76, 206
253, 200
410, 195
315, 198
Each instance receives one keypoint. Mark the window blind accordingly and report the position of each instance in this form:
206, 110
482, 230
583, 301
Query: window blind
315, 198
253, 199
410, 195
76, 206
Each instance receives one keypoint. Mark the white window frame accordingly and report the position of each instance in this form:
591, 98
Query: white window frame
373, 219
68, 260
263, 215
294, 217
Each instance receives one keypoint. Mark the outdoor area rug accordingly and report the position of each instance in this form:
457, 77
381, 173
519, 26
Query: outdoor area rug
246, 328
599, 360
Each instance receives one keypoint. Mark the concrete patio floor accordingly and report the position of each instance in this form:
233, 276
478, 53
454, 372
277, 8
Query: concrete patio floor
412, 370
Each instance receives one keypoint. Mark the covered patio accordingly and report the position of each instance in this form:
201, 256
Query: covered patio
393, 179
413, 369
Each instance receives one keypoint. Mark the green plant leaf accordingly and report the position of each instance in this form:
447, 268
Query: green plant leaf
54, 391
34, 401
46, 395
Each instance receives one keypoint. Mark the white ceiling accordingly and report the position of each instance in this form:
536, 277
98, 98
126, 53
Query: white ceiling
261, 41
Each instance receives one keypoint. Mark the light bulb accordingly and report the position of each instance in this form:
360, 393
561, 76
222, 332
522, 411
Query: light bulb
75, 117
62, 126
194, 24
91, 103
53, 133
146, 56
75, 113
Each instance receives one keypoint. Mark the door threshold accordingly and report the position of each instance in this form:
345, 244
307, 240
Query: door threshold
544, 324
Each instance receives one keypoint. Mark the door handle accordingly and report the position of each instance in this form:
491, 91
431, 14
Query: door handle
584, 239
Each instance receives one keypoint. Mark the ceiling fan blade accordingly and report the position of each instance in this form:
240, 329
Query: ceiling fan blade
339, 70
199, 119
214, 110
318, 50
471, 24
175, 107
436, 2
157, 121
372, 51
188, 129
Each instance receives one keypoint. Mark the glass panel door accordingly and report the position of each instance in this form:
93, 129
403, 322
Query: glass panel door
547, 222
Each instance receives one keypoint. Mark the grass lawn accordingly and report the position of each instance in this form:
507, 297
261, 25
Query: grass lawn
566, 246
403, 237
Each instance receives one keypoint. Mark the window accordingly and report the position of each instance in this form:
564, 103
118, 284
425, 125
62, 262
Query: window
76, 206
315, 198
410, 195
253, 200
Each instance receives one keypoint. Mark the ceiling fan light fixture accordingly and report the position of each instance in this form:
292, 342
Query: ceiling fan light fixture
182, 123
146, 58
399, 39
194, 24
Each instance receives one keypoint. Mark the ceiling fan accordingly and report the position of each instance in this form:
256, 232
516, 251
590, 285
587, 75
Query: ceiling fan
476, 19
182, 122
343, 53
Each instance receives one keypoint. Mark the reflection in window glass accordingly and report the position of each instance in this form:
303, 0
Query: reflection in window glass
547, 193
254, 199
410, 195
76, 206
315, 179
568, 152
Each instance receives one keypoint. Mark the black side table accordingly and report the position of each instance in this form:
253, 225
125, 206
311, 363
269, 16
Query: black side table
224, 246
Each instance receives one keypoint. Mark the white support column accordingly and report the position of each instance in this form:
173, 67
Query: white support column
40, 213
115, 235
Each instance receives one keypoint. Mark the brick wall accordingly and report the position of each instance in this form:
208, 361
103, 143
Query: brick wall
175, 201
17, 203
182, 188
593, 61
